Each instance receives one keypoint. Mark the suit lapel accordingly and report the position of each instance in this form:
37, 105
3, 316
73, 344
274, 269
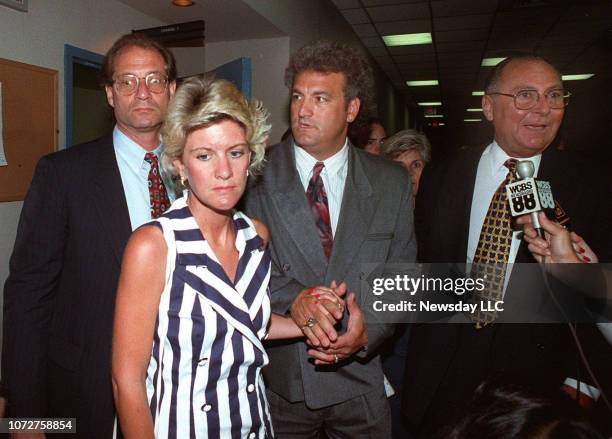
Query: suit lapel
458, 198
293, 211
356, 212
109, 198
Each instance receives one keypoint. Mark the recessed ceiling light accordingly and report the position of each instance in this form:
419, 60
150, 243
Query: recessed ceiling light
472, 120
473, 110
478, 93
577, 77
182, 2
422, 83
429, 104
434, 115
490, 62
407, 39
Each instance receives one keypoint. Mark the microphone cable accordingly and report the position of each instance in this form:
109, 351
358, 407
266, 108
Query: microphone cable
577, 342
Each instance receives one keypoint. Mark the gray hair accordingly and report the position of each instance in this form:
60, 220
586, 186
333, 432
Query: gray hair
202, 101
406, 140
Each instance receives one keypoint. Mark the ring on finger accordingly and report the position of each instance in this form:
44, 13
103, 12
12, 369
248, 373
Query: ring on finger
310, 322
336, 359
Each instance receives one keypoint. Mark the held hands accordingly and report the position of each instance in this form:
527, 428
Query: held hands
559, 245
354, 339
316, 310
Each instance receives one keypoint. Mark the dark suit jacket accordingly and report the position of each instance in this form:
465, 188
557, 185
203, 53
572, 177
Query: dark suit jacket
60, 295
446, 362
375, 227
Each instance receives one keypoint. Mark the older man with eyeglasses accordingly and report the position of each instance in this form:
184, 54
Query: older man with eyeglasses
81, 208
462, 216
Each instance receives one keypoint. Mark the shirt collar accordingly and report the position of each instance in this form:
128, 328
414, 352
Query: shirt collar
132, 152
497, 158
333, 164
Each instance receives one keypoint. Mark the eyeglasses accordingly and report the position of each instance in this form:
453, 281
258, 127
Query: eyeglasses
127, 84
527, 99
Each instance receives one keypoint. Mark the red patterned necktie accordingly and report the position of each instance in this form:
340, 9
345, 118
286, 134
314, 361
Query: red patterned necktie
317, 198
157, 190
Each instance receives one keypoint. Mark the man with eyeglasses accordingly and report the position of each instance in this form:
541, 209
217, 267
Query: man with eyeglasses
460, 217
81, 208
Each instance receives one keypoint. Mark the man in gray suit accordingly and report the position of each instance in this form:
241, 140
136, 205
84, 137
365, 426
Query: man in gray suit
330, 209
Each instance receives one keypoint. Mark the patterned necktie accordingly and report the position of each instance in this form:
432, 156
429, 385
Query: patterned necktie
493, 250
317, 198
157, 190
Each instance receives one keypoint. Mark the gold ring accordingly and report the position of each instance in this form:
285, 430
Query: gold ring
336, 359
310, 322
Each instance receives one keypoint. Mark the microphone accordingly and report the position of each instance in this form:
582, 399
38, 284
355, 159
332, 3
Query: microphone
529, 195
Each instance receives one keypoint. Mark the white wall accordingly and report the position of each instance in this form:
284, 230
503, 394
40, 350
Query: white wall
269, 57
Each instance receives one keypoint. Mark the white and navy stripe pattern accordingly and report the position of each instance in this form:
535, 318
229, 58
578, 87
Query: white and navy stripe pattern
204, 378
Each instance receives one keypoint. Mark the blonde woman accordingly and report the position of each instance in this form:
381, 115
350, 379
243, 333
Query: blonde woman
192, 304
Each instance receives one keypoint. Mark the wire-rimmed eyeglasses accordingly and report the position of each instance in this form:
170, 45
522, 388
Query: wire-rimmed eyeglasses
527, 99
127, 84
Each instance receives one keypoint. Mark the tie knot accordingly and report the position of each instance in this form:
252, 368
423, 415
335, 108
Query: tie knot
316, 170
151, 158
511, 165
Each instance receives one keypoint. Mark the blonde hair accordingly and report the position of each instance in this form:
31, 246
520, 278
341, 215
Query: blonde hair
202, 101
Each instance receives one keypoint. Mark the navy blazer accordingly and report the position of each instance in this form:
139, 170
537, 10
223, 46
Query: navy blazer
59, 298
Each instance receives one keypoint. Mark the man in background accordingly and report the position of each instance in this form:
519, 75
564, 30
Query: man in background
462, 215
81, 207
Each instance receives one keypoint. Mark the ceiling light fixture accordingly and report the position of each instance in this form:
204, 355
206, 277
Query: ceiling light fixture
577, 77
472, 120
473, 110
490, 62
434, 115
407, 39
441, 124
478, 93
429, 104
183, 3
422, 83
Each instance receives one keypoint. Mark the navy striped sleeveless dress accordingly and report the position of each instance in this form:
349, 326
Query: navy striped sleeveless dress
204, 378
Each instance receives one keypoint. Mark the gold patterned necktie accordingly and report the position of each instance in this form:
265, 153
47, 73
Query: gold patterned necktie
493, 251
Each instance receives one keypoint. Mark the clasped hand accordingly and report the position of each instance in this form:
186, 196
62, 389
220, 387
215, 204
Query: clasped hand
316, 311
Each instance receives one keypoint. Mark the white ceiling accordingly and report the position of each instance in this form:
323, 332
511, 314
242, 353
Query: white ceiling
225, 20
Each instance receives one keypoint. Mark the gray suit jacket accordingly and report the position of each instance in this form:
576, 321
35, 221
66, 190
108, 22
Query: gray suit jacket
375, 226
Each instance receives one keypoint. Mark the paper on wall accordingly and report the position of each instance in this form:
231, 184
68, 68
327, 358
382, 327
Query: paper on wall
2, 155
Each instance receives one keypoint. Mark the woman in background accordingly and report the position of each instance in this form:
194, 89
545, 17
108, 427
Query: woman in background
192, 304
369, 136
412, 149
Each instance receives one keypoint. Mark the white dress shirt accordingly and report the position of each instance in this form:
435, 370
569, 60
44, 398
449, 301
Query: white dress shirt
333, 174
491, 172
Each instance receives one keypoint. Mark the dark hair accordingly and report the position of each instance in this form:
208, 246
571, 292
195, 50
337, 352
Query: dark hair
332, 57
135, 40
492, 80
359, 133
510, 411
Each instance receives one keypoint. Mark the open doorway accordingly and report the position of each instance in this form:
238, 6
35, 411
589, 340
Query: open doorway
88, 115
